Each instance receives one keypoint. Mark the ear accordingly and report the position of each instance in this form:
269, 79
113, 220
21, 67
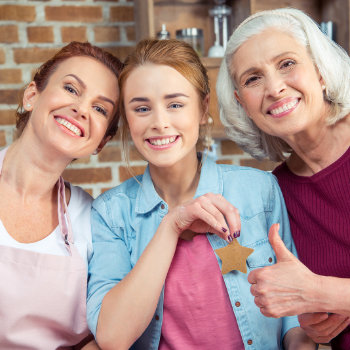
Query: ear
103, 143
205, 105
30, 95
237, 97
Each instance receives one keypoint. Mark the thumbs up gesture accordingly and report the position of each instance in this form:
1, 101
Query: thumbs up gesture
286, 288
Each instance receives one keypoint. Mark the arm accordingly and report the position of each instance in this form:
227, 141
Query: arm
90, 346
130, 302
296, 339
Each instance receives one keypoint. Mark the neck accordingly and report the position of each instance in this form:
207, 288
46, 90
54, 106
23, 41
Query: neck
316, 150
178, 183
31, 171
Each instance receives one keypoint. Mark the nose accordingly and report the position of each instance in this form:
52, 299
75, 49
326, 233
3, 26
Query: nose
80, 110
160, 119
275, 85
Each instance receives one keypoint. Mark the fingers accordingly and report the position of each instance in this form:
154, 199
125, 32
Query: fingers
209, 213
323, 327
281, 251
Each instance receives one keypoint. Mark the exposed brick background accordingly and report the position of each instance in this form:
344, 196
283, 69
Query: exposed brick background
31, 31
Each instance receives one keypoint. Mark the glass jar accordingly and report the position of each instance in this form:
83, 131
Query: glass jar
192, 36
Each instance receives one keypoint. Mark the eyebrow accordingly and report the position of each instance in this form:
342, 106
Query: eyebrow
84, 86
253, 69
166, 97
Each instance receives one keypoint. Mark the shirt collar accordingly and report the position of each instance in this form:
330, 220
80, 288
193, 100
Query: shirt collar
210, 181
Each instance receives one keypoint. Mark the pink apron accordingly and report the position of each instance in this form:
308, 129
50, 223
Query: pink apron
42, 296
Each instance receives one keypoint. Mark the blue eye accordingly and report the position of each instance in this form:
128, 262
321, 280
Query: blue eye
142, 109
101, 110
70, 89
176, 105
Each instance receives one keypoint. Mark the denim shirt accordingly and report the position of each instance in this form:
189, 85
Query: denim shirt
125, 218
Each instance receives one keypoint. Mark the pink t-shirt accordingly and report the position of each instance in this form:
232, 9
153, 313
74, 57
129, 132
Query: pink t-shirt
197, 310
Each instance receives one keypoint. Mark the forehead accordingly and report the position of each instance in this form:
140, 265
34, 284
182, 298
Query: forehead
155, 77
95, 75
263, 48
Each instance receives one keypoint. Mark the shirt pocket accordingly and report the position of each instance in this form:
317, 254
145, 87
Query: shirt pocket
263, 255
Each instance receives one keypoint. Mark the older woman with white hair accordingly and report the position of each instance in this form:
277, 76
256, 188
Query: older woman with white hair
284, 94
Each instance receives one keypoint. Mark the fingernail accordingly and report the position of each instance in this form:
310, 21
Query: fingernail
223, 229
238, 233
229, 238
235, 235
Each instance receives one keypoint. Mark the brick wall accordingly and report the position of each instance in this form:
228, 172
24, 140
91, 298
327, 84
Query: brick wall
32, 30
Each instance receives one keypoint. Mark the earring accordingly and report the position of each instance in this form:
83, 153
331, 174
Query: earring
323, 87
28, 105
95, 152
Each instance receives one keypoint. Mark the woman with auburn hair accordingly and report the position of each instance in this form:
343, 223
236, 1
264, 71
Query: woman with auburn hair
284, 93
68, 111
155, 281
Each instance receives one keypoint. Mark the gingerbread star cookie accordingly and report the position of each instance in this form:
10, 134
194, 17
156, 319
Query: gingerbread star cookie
234, 257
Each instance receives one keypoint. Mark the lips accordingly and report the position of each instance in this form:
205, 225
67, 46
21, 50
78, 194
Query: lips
284, 107
70, 125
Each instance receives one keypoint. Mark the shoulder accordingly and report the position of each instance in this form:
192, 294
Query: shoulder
246, 176
80, 201
117, 204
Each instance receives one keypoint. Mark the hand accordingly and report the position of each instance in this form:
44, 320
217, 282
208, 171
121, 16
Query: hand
284, 289
322, 327
208, 213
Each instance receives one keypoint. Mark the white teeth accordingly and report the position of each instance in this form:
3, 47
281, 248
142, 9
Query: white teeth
285, 107
161, 142
69, 126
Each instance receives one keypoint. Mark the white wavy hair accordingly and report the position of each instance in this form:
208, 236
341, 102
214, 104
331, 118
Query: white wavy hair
331, 60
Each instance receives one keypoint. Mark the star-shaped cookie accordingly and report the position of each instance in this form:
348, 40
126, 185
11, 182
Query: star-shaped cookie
234, 257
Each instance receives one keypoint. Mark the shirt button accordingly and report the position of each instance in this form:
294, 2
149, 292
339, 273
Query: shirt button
270, 260
237, 303
249, 342
162, 206
156, 317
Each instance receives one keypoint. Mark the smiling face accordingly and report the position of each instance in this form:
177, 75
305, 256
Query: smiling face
278, 85
164, 112
73, 111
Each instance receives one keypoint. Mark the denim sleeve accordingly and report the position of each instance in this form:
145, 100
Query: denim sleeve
110, 261
278, 214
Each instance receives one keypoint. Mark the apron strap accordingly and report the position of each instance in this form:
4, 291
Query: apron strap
64, 220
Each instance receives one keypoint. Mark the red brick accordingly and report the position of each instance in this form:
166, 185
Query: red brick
122, 14
10, 76
125, 174
230, 147
73, 13
2, 138
134, 154
259, 164
9, 34
120, 51
17, 13
107, 34
2, 56
7, 117
88, 175
224, 161
9, 96
130, 33
40, 34
110, 154
33, 54
69, 34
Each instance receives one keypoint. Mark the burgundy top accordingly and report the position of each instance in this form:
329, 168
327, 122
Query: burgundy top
319, 214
